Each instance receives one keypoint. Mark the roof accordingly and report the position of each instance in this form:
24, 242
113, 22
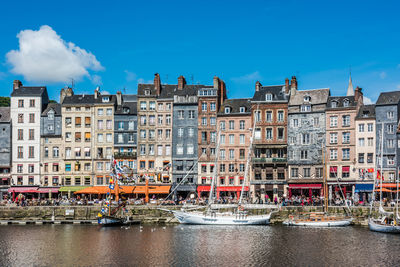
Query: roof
30, 91
277, 91
143, 87
167, 91
5, 114
87, 99
235, 105
191, 89
52, 106
131, 108
366, 112
340, 100
318, 96
388, 98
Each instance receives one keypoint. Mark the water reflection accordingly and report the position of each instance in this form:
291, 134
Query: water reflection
185, 245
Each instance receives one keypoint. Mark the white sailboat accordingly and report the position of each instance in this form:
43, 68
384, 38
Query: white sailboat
212, 217
387, 222
319, 219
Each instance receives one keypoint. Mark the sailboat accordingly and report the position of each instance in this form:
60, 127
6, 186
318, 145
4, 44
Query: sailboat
387, 222
319, 219
212, 217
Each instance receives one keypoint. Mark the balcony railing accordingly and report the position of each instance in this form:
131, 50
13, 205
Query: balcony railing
269, 160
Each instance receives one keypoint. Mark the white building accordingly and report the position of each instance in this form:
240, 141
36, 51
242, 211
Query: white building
27, 103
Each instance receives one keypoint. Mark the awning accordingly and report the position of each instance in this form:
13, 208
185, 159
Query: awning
23, 189
384, 190
71, 188
333, 169
158, 189
48, 190
387, 185
359, 188
231, 188
346, 169
305, 186
204, 188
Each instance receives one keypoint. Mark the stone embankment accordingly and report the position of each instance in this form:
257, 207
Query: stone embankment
147, 214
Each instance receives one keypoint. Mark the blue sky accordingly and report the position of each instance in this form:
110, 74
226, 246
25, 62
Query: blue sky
120, 43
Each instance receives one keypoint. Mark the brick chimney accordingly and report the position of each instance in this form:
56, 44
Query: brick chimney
157, 83
97, 92
17, 84
287, 86
119, 98
181, 82
65, 92
258, 86
293, 86
222, 96
358, 96
215, 81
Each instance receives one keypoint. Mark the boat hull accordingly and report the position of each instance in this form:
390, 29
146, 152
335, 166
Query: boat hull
110, 221
201, 219
376, 227
332, 223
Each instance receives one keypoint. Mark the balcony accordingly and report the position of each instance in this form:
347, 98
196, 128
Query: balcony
125, 155
269, 160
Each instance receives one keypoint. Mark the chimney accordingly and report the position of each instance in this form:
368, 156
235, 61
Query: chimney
358, 96
17, 84
258, 86
157, 83
62, 95
97, 92
181, 82
119, 98
293, 86
215, 81
69, 92
222, 96
287, 86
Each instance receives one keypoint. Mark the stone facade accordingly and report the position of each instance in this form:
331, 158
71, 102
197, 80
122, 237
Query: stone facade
5, 150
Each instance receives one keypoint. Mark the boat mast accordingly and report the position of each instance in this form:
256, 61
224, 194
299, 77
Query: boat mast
325, 171
248, 160
214, 178
373, 188
381, 174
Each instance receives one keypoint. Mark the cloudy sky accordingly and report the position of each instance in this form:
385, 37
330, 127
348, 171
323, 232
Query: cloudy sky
116, 45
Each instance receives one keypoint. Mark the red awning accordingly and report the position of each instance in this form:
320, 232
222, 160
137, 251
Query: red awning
333, 169
346, 169
241, 178
231, 188
23, 189
204, 188
48, 190
203, 178
305, 186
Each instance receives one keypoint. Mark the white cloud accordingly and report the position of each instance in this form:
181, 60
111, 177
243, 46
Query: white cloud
251, 77
383, 75
44, 56
141, 80
367, 100
96, 79
130, 76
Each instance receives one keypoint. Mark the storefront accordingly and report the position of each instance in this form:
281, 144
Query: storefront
222, 191
308, 190
363, 193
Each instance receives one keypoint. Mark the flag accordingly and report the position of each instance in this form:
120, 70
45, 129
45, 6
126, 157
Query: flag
378, 175
370, 170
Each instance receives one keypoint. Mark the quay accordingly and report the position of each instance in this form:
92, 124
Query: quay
149, 214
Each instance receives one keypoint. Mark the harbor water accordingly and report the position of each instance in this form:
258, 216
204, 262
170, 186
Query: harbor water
188, 245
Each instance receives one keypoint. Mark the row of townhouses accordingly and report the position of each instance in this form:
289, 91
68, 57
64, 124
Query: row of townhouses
169, 134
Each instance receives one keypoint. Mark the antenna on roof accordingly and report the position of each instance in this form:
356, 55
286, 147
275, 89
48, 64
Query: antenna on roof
72, 83
166, 79
124, 89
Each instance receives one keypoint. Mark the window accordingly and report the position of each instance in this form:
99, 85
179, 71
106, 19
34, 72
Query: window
168, 134
203, 106
346, 120
333, 154
100, 138
109, 138
31, 117
20, 118
227, 110
222, 167
231, 139
295, 172
346, 153
268, 116
142, 164
20, 134
181, 114
222, 154
241, 167
241, 153
305, 140
257, 115
305, 108
361, 141
295, 123
77, 152
212, 106
241, 125
152, 105
180, 132
303, 154
190, 149
191, 114
390, 128
268, 97
31, 152
143, 105
280, 133
268, 133
142, 149
151, 149
370, 157
390, 143
257, 134
222, 125
99, 166
333, 121
242, 139
231, 167
231, 125
167, 150
160, 106
131, 125
345, 171
20, 103
152, 134
361, 127
333, 104
151, 164
143, 120
345, 103
316, 121
242, 109
333, 138
280, 116
390, 114
231, 153
152, 120
68, 152
100, 112
168, 106
370, 127
204, 121
191, 132
306, 172
179, 149
159, 150
213, 121
346, 137
370, 141
319, 172
222, 139
213, 137
56, 152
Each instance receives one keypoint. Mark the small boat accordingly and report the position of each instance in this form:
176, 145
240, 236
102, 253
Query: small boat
110, 221
384, 225
318, 220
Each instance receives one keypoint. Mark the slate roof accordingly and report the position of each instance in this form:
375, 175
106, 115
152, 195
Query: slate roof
5, 114
87, 99
30, 91
235, 105
52, 106
318, 96
277, 91
190, 89
143, 87
388, 98
339, 102
366, 112
119, 110
167, 91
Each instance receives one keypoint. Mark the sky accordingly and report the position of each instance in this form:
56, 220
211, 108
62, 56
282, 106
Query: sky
118, 44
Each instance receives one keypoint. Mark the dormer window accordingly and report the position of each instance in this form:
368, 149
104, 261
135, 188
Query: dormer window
305, 108
268, 97
126, 110
307, 98
50, 115
146, 92
345, 103
334, 104
227, 110
242, 110
106, 99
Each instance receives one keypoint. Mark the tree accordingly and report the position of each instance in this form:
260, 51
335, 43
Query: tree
4, 101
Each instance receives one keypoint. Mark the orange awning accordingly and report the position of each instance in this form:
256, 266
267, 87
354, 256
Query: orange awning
125, 189
387, 185
153, 189
384, 190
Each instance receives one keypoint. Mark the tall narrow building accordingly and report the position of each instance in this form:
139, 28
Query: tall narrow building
5, 150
